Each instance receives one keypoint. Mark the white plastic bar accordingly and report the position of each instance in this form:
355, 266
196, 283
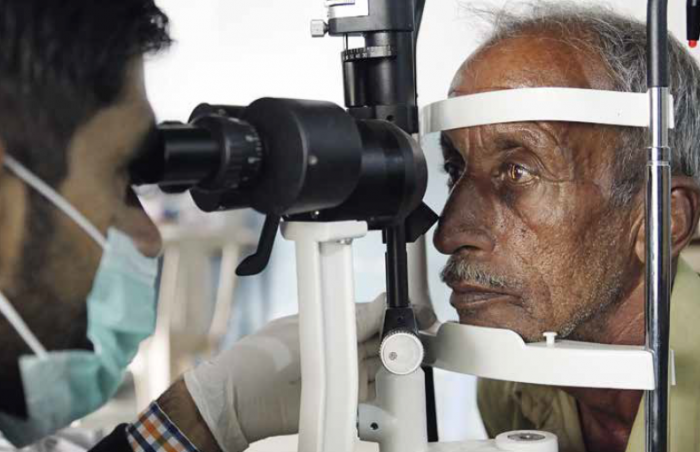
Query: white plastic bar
503, 355
538, 104
328, 336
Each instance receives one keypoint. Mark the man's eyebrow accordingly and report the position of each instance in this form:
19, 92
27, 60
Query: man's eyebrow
507, 139
448, 149
526, 135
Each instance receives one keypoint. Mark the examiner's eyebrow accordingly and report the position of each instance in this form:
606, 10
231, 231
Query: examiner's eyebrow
147, 143
146, 158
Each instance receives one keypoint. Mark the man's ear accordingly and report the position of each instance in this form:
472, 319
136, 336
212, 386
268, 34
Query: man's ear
685, 214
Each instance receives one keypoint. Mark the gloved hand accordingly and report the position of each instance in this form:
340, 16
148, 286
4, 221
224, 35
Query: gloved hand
253, 390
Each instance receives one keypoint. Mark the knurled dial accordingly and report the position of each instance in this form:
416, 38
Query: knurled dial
401, 352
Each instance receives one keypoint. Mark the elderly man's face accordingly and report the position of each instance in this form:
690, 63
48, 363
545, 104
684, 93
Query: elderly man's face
536, 242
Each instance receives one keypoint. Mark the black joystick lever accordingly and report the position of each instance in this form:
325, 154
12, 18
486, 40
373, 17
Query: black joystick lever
256, 263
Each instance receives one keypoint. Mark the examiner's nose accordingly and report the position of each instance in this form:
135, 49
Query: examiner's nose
463, 224
135, 222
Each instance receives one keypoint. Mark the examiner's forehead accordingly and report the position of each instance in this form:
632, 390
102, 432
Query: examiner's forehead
529, 61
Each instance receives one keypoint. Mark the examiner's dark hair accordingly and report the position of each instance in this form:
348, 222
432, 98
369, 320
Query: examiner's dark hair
60, 62
620, 43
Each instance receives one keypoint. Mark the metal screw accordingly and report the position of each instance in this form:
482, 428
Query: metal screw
313, 160
393, 356
315, 215
318, 28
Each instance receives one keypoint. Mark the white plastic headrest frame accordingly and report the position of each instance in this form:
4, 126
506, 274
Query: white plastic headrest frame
539, 104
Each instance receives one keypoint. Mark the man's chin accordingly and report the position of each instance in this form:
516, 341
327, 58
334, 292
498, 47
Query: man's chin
520, 324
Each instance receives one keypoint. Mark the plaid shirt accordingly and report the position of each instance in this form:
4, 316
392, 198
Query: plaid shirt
155, 432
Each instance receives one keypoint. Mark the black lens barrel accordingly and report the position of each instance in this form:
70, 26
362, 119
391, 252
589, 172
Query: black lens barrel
288, 157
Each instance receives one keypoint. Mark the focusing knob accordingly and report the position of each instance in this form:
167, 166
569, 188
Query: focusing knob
246, 154
401, 352
241, 152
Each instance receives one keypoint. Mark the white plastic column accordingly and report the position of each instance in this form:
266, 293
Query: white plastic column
396, 419
328, 336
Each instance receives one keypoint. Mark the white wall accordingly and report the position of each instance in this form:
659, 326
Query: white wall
235, 51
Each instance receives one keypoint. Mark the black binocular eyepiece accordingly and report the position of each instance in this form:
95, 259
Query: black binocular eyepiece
287, 157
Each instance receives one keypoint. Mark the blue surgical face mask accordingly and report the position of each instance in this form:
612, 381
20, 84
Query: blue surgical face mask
61, 387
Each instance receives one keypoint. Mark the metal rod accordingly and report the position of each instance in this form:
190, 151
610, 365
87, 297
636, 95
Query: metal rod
396, 267
658, 230
431, 405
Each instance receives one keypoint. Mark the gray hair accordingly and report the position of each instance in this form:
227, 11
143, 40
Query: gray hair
620, 42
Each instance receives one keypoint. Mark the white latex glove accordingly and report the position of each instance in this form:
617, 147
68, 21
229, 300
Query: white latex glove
253, 391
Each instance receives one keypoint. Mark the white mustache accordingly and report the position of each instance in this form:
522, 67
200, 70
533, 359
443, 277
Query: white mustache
457, 270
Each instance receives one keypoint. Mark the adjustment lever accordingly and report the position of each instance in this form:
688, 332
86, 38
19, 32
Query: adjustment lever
419, 222
256, 263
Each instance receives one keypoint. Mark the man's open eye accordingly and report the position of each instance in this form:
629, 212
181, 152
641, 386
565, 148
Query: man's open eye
454, 168
516, 174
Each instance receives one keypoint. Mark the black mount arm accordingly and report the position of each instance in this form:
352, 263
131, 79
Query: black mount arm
380, 81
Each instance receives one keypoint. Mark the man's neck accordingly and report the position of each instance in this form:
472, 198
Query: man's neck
607, 415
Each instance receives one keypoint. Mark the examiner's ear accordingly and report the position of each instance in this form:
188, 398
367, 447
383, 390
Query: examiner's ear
685, 212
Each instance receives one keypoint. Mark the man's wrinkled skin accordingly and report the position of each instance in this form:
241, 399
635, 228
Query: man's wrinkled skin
536, 241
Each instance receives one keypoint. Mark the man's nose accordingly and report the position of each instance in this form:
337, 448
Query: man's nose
134, 222
464, 223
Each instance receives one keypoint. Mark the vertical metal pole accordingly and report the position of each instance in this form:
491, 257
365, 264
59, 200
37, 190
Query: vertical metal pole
658, 270
658, 228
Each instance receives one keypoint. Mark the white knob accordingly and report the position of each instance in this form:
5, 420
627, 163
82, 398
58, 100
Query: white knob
551, 338
401, 352
527, 441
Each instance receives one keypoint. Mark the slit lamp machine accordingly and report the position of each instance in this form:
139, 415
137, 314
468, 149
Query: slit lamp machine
284, 158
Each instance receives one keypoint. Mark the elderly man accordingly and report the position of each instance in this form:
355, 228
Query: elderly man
545, 221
